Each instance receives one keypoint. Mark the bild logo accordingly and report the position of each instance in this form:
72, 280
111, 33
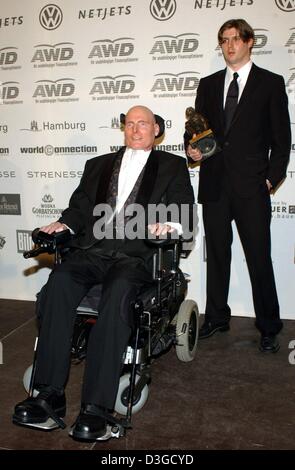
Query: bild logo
50, 17
162, 10
286, 5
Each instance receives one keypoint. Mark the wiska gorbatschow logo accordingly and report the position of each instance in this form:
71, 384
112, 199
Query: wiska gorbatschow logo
162, 10
286, 5
50, 17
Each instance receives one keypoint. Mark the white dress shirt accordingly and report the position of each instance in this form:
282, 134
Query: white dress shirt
242, 79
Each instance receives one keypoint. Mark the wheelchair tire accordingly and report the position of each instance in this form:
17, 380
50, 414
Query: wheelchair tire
187, 330
121, 400
27, 380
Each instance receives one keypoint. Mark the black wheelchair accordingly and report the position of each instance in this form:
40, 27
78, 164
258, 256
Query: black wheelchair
164, 317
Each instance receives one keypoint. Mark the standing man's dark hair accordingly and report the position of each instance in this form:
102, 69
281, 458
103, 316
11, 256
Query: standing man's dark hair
247, 109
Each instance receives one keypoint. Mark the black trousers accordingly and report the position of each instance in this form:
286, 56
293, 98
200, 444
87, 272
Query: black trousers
252, 217
122, 277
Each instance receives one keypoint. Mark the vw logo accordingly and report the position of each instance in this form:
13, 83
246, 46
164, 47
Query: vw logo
162, 10
50, 16
286, 5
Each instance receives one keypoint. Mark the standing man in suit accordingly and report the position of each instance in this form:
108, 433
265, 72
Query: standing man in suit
136, 174
247, 109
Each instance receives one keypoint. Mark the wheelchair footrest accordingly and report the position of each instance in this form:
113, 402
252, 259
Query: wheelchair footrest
48, 425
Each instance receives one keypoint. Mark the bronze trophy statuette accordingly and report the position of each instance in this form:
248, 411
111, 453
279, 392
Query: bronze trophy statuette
200, 134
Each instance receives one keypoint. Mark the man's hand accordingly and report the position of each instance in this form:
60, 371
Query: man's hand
160, 229
54, 227
194, 153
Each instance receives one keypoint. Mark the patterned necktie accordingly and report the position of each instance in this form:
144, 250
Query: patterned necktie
231, 101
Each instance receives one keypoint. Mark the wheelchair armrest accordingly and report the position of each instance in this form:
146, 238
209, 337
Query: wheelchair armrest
55, 238
161, 241
47, 243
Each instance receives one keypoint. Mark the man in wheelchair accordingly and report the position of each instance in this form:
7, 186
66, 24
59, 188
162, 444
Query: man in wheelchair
108, 247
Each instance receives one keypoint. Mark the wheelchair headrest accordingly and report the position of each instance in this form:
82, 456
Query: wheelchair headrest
159, 120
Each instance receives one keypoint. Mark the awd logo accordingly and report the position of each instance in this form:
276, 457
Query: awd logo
290, 86
8, 58
9, 92
171, 85
110, 88
260, 42
48, 55
50, 91
286, 5
107, 51
171, 47
291, 42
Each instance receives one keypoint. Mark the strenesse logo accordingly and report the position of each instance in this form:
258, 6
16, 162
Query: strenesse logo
286, 5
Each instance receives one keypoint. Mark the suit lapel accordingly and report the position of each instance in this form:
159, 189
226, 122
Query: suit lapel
248, 91
105, 177
220, 95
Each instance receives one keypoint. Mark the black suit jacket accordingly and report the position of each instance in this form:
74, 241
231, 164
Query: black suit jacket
166, 180
257, 145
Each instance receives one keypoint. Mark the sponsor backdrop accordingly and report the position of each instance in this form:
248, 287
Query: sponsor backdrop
67, 71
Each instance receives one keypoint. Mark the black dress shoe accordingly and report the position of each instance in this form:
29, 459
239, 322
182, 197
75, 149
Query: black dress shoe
269, 344
90, 425
41, 411
208, 329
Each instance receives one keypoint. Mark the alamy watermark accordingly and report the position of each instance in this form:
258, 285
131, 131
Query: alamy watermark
292, 353
132, 221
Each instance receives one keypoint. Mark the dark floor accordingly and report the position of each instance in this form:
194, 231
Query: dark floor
230, 397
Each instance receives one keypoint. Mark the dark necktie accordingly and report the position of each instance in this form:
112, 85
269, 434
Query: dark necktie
231, 101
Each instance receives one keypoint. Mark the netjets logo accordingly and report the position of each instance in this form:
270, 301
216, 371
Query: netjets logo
52, 54
170, 85
50, 91
286, 5
162, 10
109, 51
50, 17
108, 88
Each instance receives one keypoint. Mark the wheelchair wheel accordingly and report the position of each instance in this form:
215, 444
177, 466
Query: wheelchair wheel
122, 396
27, 380
187, 329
